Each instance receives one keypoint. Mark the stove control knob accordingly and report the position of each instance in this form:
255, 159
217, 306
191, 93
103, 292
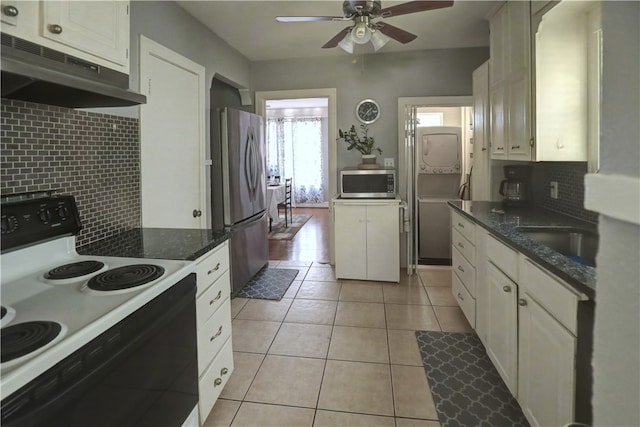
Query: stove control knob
9, 224
63, 212
45, 215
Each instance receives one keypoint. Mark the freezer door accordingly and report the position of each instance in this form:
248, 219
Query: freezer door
249, 248
236, 165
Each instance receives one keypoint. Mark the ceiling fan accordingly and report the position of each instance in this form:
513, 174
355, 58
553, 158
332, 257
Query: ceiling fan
363, 30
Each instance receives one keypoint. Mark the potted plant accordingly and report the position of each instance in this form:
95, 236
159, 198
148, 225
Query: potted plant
364, 144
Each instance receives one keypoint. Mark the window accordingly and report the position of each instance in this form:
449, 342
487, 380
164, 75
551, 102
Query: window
430, 119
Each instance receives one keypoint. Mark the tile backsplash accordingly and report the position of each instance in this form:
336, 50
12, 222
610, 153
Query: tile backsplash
95, 157
570, 178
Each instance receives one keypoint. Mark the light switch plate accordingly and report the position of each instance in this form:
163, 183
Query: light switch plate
554, 189
388, 162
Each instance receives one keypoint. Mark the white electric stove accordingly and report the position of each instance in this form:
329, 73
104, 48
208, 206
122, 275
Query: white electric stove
56, 304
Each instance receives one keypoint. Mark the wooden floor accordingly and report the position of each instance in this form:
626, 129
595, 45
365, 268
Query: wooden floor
311, 243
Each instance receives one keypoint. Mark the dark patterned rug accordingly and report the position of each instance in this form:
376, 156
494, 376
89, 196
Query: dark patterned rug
467, 390
269, 283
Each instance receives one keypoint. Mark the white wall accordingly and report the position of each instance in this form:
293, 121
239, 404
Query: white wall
616, 358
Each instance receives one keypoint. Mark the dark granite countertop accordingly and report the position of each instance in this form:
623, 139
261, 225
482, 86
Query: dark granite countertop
502, 222
158, 243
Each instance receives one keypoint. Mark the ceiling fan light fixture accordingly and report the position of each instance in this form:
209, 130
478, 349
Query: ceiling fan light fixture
378, 40
346, 43
361, 33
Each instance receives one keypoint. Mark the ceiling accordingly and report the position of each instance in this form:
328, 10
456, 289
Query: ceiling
250, 27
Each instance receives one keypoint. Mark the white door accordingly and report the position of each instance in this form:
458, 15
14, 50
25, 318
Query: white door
383, 242
350, 222
172, 139
502, 326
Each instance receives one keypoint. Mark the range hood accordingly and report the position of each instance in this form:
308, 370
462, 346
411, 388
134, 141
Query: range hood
34, 73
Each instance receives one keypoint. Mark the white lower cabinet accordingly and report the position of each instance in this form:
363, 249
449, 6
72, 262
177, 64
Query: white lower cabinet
502, 325
367, 239
213, 314
546, 370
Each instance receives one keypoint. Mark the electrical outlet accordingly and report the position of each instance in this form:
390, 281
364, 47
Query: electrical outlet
554, 189
388, 162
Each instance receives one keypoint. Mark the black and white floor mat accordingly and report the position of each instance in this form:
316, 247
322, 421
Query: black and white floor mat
467, 390
269, 283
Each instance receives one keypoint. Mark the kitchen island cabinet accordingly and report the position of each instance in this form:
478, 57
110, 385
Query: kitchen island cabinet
367, 239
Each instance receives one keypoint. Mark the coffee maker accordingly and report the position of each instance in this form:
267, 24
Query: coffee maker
515, 189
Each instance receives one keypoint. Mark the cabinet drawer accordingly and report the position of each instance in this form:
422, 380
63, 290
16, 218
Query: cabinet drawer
214, 380
465, 247
465, 271
213, 298
211, 266
463, 226
465, 300
551, 294
505, 258
213, 334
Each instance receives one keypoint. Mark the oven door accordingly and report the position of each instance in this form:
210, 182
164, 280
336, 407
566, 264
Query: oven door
141, 372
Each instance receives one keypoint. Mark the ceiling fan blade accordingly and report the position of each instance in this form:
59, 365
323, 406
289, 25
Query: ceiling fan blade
395, 33
337, 38
310, 18
413, 7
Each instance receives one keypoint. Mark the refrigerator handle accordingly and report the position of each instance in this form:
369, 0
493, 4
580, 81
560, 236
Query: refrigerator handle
254, 168
248, 160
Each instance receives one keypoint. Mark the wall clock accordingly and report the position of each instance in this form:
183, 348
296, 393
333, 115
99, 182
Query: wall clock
368, 111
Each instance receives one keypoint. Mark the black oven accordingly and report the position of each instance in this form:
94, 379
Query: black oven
141, 372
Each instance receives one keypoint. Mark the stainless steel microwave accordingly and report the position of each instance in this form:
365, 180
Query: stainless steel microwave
367, 183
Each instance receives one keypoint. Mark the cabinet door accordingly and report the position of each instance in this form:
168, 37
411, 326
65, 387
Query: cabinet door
497, 100
518, 48
519, 113
350, 240
481, 177
546, 374
383, 243
482, 289
502, 325
497, 46
100, 28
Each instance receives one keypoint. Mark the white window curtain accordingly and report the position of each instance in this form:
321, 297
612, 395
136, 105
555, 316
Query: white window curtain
295, 150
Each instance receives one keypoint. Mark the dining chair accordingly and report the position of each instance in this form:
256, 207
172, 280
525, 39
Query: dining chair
286, 204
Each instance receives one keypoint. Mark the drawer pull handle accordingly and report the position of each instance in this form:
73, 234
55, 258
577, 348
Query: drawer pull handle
460, 296
213, 270
522, 302
10, 11
216, 298
216, 335
515, 147
506, 288
217, 382
500, 148
224, 371
461, 245
461, 225
460, 268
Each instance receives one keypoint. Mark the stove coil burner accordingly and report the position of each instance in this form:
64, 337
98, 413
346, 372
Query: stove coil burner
76, 269
125, 277
23, 338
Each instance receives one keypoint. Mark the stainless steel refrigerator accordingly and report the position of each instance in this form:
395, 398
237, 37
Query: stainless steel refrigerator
239, 182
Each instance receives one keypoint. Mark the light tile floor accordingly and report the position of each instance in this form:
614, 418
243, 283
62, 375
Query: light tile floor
336, 352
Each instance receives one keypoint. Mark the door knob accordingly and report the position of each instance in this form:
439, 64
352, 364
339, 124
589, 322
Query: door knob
197, 213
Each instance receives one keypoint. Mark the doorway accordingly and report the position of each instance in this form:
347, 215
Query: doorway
446, 113
330, 95
298, 148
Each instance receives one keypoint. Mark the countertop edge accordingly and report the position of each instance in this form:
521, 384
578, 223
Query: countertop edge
561, 271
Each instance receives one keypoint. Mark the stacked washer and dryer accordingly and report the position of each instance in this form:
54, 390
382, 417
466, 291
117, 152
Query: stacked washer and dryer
439, 169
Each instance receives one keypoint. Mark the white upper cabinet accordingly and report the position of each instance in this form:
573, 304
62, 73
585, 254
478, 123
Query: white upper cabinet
95, 31
562, 84
510, 82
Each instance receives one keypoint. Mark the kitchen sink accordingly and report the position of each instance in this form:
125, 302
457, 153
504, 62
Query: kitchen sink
578, 244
